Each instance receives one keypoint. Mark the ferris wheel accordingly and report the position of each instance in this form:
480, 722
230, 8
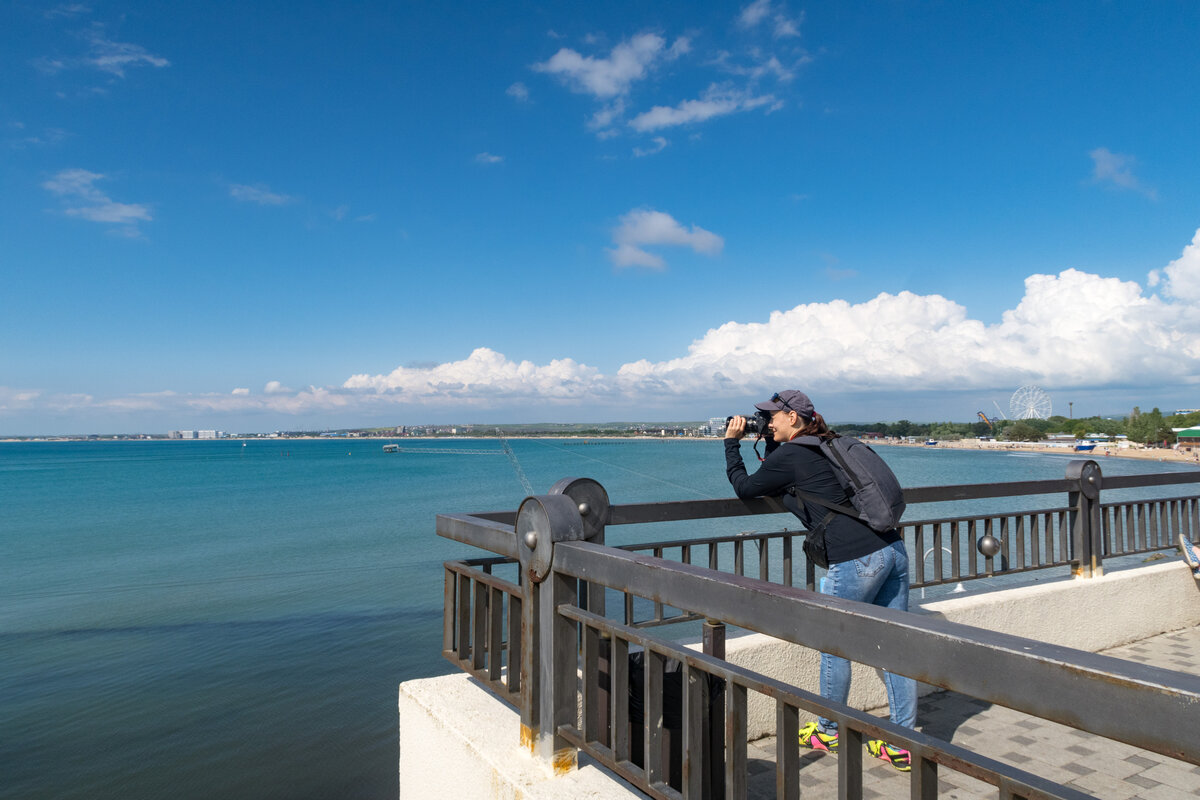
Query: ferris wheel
1029, 402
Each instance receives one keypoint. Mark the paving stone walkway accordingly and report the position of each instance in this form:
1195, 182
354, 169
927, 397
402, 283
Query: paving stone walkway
1091, 764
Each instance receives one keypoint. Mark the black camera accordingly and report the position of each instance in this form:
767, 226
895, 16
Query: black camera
755, 422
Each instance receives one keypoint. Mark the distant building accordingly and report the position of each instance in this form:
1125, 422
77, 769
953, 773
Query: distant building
714, 427
206, 434
1188, 439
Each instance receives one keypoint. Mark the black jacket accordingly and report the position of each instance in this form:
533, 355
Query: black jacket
805, 468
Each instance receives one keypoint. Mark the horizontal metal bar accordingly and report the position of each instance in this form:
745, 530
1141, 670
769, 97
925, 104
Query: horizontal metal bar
977, 517
496, 537
979, 491
708, 509
499, 686
668, 544
1145, 706
460, 568
635, 513
1159, 479
504, 517
489, 561
1187, 498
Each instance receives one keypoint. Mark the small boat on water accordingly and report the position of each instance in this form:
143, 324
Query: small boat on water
931, 442
1084, 448
391, 448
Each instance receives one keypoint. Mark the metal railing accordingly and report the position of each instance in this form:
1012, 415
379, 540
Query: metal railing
540, 637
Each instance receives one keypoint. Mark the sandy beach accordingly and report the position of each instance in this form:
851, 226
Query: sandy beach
1099, 454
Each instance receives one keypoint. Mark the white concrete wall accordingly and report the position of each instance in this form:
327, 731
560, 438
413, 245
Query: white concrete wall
458, 740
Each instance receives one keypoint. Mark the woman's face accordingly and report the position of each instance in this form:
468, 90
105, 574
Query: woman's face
784, 425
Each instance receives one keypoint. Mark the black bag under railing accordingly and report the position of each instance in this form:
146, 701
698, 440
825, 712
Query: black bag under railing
672, 709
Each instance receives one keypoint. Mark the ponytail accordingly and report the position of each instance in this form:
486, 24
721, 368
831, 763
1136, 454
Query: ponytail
816, 427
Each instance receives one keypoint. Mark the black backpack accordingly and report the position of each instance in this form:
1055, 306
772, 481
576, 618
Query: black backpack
870, 483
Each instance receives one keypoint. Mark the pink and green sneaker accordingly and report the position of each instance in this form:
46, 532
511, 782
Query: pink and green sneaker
812, 738
899, 758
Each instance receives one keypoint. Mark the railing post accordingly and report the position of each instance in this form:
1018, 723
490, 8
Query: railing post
591, 499
711, 722
1087, 557
550, 657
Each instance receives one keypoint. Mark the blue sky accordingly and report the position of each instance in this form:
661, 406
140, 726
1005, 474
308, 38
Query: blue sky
259, 216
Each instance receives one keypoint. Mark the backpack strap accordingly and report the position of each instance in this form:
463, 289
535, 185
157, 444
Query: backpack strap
832, 451
832, 454
833, 507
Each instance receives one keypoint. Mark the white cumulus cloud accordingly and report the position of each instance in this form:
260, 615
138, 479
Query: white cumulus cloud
103, 54
485, 377
761, 11
518, 91
646, 227
1181, 278
115, 57
258, 194
608, 77
658, 144
1070, 329
754, 13
717, 100
17, 399
1117, 169
77, 191
1073, 329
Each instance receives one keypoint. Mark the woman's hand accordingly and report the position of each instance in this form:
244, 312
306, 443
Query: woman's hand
735, 428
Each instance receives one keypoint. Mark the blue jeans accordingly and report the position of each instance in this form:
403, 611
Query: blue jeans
881, 579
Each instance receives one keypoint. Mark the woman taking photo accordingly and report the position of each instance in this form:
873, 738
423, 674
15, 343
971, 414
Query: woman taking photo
864, 565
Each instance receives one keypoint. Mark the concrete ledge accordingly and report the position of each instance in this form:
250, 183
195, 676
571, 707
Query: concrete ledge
1090, 614
457, 739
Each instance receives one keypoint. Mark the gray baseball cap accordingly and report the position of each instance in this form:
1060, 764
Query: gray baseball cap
791, 400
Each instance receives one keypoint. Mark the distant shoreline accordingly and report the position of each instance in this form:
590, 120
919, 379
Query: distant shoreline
1101, 452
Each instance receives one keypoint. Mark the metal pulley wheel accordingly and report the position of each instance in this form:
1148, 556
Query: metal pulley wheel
590, 498
1088, 475
541, 521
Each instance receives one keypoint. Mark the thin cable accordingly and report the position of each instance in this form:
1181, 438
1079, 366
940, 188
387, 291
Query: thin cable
692, 489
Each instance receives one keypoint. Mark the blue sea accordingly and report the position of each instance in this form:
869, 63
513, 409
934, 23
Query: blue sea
200, 619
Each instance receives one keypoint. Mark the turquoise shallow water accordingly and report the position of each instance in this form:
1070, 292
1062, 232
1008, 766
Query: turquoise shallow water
203, 619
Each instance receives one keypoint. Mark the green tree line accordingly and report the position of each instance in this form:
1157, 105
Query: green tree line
1145, 427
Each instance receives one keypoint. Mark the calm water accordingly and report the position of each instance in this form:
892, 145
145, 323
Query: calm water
203, 619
